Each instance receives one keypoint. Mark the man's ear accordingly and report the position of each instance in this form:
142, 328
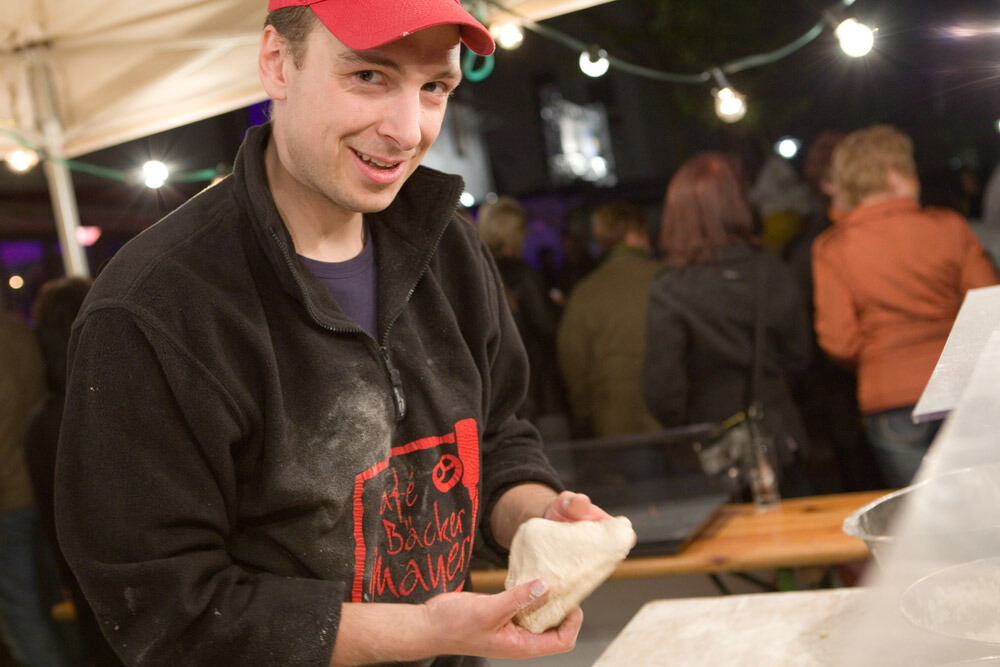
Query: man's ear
274, 56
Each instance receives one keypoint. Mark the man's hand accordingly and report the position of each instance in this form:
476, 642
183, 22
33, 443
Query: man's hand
455, 623
482, 625
525, 501
570, 506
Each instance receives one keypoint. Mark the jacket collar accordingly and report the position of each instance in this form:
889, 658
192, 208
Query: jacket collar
878, 210
406, 235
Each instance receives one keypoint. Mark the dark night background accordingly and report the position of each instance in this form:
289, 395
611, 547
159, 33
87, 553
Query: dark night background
923, 76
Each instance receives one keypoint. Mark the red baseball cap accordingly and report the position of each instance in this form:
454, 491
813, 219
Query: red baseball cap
367, 24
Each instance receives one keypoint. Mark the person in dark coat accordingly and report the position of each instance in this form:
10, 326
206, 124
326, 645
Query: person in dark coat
503, 226
54, 310
700, 322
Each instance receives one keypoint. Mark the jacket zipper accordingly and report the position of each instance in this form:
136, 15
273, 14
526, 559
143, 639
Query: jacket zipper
394, 377
395, 380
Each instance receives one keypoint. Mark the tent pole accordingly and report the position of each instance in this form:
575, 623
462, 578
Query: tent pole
57, 173
64, 203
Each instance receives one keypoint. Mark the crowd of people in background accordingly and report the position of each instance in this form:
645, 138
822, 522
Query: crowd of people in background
857, 285
854, 283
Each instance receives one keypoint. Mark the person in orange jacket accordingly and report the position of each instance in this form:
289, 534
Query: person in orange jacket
889, 277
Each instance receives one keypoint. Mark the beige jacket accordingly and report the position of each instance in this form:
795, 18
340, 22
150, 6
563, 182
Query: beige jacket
602, 336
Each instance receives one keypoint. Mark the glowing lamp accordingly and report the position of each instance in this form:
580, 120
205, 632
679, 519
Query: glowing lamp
594, 62
155, 174
508, 35
21, 160
730, 106
856, 39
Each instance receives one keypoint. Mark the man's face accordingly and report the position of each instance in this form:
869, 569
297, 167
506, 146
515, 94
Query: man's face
353, 125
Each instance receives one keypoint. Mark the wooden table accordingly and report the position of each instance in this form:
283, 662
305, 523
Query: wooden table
800, 532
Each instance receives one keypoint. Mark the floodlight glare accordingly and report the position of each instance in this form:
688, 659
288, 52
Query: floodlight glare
856, 39
155, 174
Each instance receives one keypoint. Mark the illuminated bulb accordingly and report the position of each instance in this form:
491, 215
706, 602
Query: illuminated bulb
467, 199
998, 125
730, 106
16, 282
21, 160
155, 174
856, 39
788, 147
594, 62
507, 35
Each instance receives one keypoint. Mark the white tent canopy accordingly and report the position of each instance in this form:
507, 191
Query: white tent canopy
120, 70
77, 76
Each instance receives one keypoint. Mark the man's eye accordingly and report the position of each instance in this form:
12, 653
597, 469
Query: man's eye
436, 87
367, 76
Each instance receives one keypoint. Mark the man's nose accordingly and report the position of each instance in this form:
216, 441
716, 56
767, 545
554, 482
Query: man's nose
401, 121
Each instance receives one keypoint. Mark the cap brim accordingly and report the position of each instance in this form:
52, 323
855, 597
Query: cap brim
367, 24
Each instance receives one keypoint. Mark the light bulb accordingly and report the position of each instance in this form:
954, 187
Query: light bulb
508, 35
787, 147
594, 62
155, 174
856, 39
21, 160
15, 282
730, 106
467, 199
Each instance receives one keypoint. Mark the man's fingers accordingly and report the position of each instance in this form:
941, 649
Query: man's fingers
570, 506
529, 594
570, 627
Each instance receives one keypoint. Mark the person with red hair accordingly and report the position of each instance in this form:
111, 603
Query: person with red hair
702, 309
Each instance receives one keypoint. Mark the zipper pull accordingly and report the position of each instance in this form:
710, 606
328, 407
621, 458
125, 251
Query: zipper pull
397, 384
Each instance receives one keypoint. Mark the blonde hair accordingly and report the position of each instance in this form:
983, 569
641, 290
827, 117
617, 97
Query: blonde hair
503, 225
863, 159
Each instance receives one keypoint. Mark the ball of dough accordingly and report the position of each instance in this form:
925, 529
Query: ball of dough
574, 557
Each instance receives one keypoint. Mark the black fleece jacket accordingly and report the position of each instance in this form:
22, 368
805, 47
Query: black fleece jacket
238, 457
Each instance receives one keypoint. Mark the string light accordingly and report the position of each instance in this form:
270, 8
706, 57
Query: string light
594, 61
856, 39
467, 199
21, 160
15, 282
508, 34
155, 174
730, 105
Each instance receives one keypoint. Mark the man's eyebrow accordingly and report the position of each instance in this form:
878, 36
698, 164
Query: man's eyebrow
362, 58
369, 58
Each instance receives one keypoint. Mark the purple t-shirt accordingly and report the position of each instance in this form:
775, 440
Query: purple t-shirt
352, 284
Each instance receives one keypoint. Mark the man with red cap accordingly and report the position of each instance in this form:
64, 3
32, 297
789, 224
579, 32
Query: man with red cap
290, 420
